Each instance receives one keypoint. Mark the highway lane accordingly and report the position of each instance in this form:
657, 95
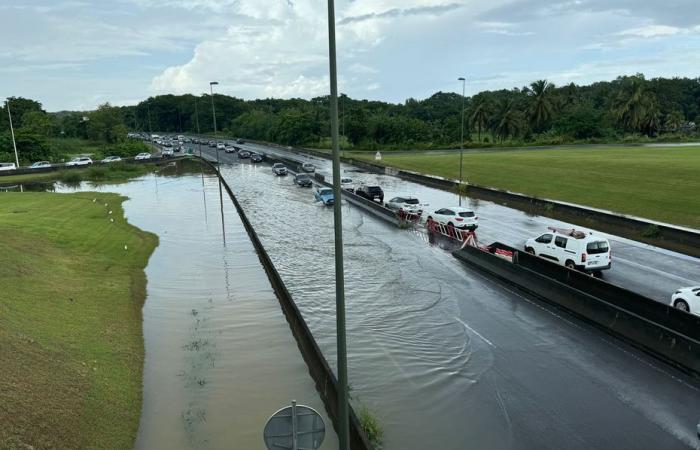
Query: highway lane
446, 357
649, 270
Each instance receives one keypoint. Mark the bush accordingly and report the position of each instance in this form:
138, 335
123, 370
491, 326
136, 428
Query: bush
71, 177
370, 425
97, 173
652, 231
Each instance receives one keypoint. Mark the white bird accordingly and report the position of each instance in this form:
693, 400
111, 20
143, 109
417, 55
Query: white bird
126, 248
94, 200
106, 204
110, 212
111, 220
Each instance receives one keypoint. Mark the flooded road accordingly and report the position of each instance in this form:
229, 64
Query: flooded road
450, 359
220, 357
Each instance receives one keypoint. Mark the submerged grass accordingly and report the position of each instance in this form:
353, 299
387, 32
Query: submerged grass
73, 286
659, 183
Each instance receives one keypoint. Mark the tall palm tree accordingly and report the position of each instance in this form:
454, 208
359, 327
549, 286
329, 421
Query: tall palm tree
541, 105
481, 116
508, 120
635, 107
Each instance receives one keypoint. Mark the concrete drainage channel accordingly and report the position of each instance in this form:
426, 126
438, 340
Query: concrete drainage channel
660, 330
326, 382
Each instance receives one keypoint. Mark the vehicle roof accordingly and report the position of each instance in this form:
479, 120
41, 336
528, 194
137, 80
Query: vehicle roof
457, 208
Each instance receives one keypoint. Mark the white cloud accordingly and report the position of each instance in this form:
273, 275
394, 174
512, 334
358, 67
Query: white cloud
651, 31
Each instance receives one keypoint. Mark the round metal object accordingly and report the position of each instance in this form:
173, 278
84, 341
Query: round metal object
295, 427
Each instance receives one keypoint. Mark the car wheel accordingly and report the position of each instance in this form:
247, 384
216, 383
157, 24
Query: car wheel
570, 264
530, 250
682, 305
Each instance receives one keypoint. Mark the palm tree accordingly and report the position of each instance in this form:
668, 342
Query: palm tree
540, 110
481, 116
508, 121
635, 107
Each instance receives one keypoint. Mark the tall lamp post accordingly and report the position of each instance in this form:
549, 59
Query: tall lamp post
342, 416
213, 111
12, 132
461, 140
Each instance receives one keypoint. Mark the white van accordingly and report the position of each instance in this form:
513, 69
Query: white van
7, 166
573, 249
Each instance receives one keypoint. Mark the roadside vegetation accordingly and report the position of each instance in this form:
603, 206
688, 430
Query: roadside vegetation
113, 172
70, 321
658, 183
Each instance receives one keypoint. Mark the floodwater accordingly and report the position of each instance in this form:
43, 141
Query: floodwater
447, 358
220, 356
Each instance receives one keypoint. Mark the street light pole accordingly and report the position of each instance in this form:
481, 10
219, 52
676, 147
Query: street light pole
342, 415
12, 131
213, 111
196, 118
461, 140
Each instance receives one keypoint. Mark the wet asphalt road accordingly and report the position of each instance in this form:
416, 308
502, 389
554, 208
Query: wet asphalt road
642, 268
446, 357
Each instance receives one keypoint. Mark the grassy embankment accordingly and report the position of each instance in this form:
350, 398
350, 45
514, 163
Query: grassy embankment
71, 345
113, 172
655, 183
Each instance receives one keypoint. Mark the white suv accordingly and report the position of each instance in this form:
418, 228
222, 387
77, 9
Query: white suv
573, 249
408, 204
456, 216
79, 161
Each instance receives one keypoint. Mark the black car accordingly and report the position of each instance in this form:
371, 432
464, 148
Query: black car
240, 141
373, 193
243, 154
302, 180
256, 157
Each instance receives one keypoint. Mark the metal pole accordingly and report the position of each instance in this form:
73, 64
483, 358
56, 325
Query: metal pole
150, 129
461, 142
12, 131
196, 118
213, 111
342, 416
294, 425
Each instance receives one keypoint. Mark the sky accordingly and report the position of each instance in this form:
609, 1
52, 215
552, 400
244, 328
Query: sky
77, 54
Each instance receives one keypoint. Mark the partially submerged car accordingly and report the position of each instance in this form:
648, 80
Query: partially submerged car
324, 195
40, 165
279, 169
407, 204
256, 157
308, 167
303, 180
111, 159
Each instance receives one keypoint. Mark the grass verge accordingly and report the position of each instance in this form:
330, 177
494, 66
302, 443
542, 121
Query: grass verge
70, 321
658, 183
111, 172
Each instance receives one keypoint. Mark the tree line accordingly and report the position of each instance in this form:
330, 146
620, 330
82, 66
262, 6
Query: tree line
627, 108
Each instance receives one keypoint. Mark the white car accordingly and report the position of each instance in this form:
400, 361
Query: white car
573, 249
308, 167
7, 166
687, 299
142, 156
40, 165
279, 169
111, 159
347, 184
456, 216
221, 146
167, 152
79, 161
408, 204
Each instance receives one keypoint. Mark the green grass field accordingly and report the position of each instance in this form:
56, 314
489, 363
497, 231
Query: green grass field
73, 286
660, 183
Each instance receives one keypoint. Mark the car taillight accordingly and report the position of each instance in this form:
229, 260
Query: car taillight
458, 219
583, 257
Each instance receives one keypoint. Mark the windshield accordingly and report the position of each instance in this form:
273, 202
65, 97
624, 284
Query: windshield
326, 191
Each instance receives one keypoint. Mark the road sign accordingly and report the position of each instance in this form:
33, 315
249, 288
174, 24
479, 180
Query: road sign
295, 427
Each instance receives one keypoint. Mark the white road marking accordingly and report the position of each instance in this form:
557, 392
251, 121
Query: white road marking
475, 332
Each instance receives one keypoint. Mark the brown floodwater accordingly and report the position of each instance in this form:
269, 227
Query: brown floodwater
220, 357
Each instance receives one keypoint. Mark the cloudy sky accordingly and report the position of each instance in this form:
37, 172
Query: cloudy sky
76, 54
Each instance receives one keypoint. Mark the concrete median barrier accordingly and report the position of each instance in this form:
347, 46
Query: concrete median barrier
660, 330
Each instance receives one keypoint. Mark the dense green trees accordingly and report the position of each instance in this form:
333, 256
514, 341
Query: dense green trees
629, 107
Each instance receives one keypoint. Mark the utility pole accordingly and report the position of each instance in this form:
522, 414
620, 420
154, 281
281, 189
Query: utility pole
213, 111
342, 414
12, 131
461, 141
196, 118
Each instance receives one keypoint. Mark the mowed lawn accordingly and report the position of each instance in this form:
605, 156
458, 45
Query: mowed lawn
656, 183
72, 286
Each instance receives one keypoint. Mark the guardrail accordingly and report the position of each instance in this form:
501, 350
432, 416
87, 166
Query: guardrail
326, 382
661, 330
